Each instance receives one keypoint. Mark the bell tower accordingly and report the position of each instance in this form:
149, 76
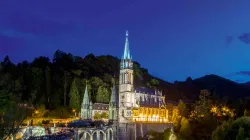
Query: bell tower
126, 87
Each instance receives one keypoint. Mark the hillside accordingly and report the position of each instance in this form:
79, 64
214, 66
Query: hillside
53, 82
217, 85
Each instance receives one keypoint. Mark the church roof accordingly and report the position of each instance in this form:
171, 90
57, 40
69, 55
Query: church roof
113, 98
126, 54
148, 91
145, 90
100, 106
149, 105
86, 96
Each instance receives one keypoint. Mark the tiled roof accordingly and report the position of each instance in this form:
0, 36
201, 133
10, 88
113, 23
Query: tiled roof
145, 90
150, 105
100, 106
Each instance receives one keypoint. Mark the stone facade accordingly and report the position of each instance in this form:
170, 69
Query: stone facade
88, 110
134, 109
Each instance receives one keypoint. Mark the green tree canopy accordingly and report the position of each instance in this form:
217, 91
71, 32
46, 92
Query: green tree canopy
97, 116
102, 95
104, 115
74, 101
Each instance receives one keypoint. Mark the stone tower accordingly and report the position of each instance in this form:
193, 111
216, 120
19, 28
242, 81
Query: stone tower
126, 95
113, 105
126, 87
86, 107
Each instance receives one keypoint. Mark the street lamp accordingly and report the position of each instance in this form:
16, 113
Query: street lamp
74, 111
36, 111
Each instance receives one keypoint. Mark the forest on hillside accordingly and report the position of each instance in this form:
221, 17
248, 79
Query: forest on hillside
62, 80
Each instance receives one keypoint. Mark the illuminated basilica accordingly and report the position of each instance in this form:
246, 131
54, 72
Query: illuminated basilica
138, 104
134, 104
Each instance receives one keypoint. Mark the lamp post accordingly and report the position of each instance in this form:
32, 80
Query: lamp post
74, 111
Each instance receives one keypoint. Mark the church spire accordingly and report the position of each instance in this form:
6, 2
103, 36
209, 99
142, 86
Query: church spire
113, 98
86, 96
126, 54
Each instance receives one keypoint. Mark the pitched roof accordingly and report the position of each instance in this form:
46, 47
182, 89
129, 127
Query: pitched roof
100, 106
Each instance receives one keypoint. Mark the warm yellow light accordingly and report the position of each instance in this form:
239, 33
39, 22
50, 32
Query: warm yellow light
36, 111
214, 109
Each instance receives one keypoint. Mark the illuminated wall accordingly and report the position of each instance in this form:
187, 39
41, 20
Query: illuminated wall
147, 114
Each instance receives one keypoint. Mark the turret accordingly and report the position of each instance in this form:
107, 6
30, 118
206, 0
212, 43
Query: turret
126, 60
126, 85
85, 107
113, 105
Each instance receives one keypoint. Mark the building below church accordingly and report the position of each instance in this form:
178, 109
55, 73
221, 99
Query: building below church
89, 110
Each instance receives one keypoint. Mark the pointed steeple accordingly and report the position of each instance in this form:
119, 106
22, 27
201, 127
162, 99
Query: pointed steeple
126, 54
113, 98
86, 96
113, 105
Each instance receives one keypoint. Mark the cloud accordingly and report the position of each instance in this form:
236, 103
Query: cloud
245, 38
245, 73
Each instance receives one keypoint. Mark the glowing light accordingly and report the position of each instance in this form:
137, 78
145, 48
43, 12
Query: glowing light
36, 111
214, 109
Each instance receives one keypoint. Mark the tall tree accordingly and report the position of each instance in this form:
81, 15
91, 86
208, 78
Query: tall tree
48, 83
74, 101
182, 108
102, 95
11, 120
185, 129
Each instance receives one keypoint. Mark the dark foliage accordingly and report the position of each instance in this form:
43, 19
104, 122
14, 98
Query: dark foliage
48, 82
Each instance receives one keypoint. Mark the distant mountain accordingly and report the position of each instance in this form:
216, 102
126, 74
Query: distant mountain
247, 84
223, 87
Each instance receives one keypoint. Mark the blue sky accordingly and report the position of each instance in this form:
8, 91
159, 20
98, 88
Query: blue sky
172, 39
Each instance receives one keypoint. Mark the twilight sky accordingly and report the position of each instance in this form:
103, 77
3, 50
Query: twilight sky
173, 39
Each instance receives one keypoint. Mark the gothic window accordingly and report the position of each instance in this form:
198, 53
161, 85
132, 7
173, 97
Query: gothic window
141, 100
128, 113
126, 77
129, 78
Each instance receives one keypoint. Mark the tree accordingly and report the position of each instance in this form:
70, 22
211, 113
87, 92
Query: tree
154, 82
65, 85
96, 85
74, 101
182, 108
48, 83
102, 95
202, 106
240, 135
205, 121
185, 129
220, 132
97, 116
245, 112
12, 118
104, 115
170, 111
189, 79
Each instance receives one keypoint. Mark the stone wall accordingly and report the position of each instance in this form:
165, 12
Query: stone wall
133, 131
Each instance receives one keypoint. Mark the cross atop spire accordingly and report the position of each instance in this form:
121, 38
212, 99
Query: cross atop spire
126, 54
